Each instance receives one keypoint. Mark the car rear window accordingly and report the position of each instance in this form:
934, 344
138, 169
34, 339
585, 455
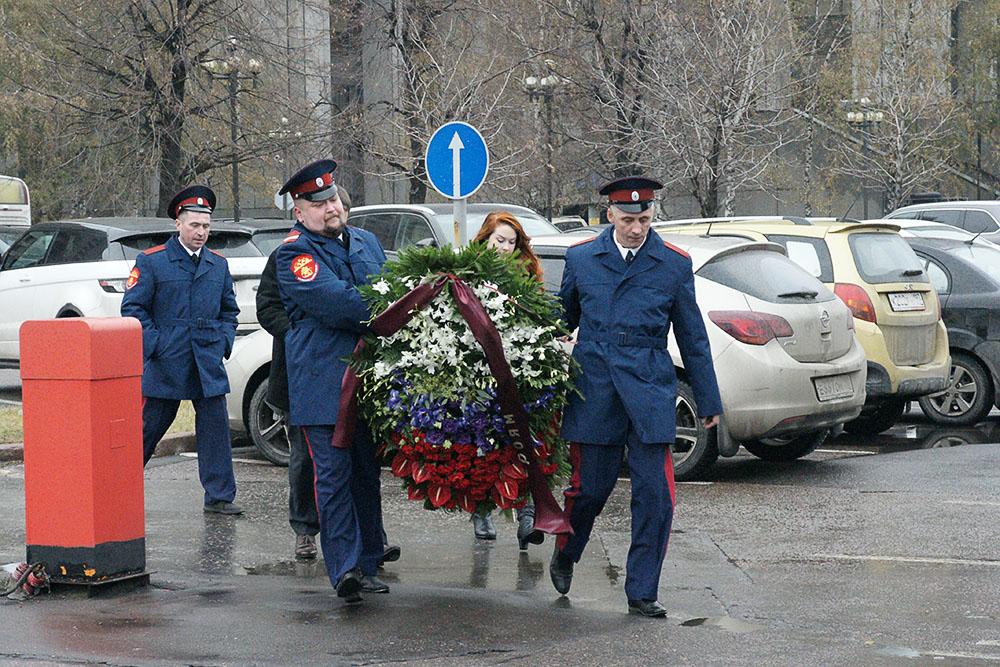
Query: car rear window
267, 241
226, 244
885, 258
985, 258
766, 275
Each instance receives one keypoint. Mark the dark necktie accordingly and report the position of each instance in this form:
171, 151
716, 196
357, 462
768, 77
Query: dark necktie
195, 258
629, 256
343, 240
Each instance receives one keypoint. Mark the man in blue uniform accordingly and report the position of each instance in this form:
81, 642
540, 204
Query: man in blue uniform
183, 295
624, 289
319, 268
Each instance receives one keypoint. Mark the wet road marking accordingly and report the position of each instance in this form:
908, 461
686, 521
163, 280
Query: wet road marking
964, 656
6, 402
987, 503
194, 455
909, 559
856, 452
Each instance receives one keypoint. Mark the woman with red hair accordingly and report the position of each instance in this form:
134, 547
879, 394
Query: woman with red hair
502, 232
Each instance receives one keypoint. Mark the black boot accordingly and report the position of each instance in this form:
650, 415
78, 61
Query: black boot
483, 526
526, 532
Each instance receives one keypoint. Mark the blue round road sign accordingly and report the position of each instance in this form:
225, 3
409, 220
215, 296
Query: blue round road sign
457, 160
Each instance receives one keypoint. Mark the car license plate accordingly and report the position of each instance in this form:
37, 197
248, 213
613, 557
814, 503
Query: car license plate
833, 387
903, 301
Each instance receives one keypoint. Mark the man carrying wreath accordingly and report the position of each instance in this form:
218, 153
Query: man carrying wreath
624, 289
319, 267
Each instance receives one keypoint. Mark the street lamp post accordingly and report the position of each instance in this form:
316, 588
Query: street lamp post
864, 119
543, 88
228, 70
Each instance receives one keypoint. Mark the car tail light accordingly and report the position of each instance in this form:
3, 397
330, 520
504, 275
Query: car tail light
113, 285
937, 298
857, 301
749, 327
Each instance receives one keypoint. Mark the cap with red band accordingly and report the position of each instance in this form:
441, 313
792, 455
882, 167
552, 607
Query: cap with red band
314, 182
198, 198
632, 194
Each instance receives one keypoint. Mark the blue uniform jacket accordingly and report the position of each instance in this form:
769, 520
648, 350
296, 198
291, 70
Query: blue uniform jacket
188, 315
318, 283
624, 313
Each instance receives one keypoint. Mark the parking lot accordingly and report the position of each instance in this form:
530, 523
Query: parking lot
865, 551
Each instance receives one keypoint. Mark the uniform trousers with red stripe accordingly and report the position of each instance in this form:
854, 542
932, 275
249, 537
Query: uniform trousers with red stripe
211, 433
595, 470
349, 501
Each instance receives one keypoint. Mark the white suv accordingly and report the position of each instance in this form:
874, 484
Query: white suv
78, 268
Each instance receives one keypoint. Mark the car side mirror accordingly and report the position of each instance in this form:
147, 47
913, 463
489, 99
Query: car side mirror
427, 242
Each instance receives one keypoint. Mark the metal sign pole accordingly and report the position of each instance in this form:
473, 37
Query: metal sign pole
461, 237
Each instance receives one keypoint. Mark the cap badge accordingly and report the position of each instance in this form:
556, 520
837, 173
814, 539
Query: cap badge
319, 182
635, 196
305, 268
201, 202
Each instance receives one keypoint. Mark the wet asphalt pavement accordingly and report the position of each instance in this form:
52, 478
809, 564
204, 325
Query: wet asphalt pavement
869, 551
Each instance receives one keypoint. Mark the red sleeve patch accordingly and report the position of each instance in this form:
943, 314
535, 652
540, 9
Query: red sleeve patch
305, 268
294, 234
133, 278
676, 249
150, 251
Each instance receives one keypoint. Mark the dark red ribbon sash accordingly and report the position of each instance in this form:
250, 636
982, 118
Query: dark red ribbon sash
549, 517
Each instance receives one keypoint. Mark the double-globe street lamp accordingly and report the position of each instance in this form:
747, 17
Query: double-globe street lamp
864, 118
543, 88
233, 69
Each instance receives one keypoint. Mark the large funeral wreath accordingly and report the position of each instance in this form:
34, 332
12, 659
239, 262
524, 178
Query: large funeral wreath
431, 398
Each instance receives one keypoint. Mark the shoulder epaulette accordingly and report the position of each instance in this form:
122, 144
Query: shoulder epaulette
676, 249
292, 235
154, 249
593, 238
217, 253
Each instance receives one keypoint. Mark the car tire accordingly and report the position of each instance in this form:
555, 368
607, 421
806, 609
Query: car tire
266, 428
695, 449
968, 397
786, 449
877, 418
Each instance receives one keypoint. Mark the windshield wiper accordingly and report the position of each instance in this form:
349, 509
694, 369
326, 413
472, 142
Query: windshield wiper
805, 294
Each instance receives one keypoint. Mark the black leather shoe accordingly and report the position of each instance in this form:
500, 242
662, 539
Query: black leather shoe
372, 584
223, 507
561, 571
390, 554
483, 526
349, 585
526, 532
305, 547
650, 608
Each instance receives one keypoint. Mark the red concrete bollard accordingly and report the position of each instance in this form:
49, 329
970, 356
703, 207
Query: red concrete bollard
82, 400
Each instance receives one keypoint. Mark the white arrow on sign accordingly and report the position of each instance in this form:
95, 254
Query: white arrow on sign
456, 146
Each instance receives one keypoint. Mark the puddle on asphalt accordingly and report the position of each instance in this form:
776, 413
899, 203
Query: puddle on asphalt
287, 568
727, 623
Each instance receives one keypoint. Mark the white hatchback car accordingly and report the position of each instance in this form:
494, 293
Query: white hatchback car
78, 268
788, 363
